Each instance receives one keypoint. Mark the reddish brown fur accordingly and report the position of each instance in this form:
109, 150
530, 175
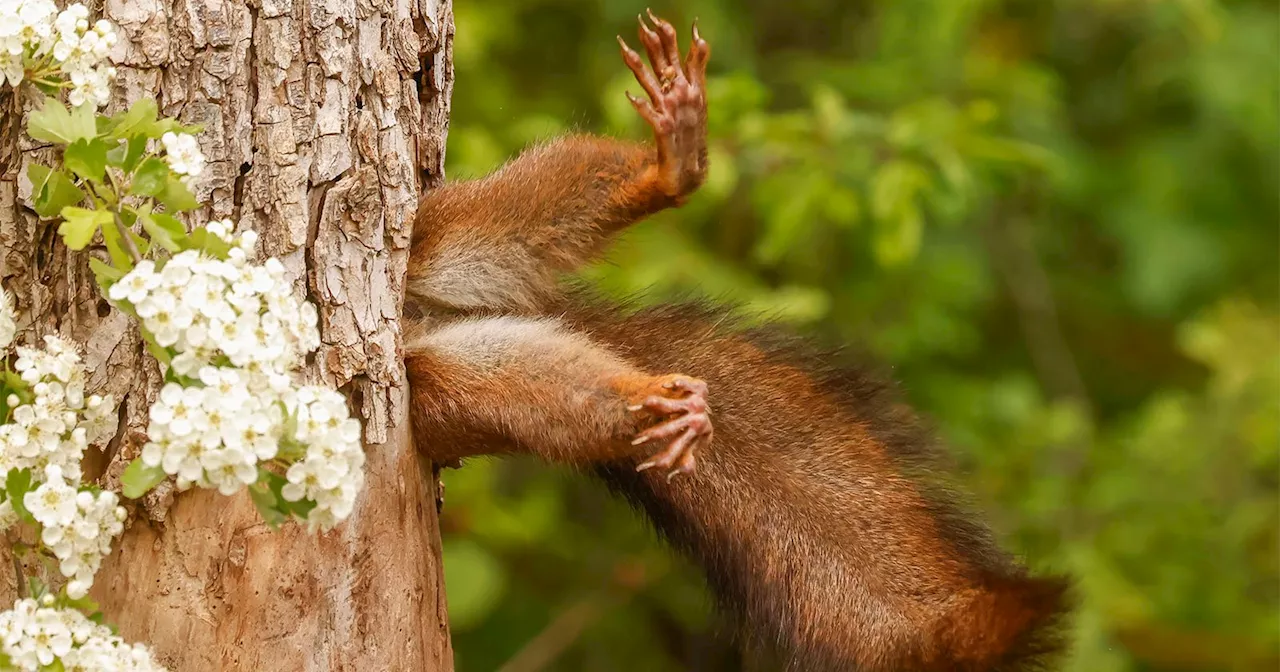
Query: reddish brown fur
816, 510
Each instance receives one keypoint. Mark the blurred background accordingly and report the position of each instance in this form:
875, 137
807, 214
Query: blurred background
1057, 220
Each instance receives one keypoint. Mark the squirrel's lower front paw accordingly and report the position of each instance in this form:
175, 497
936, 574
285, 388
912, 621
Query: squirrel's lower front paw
682, 403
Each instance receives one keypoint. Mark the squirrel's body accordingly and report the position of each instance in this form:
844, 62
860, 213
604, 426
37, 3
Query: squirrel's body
813, 509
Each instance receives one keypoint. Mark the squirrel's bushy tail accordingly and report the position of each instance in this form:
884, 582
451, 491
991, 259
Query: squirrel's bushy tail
1010, 624
821, 515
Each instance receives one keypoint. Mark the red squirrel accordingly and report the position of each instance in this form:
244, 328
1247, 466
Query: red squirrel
807, 495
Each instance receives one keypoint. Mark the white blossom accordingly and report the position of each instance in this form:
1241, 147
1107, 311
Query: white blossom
182, 151
238, 334
77, 525
58, 422
34, 636
332, 471
25, 25
205, 308
53, 503
35, 28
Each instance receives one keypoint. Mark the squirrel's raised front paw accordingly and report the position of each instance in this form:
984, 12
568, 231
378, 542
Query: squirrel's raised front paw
682, 403
677, 104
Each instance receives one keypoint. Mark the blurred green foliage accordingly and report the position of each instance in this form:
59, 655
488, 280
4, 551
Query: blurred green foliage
1055, 219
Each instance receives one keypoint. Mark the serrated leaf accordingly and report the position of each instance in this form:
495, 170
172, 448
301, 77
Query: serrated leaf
79, 225
139, 119
17, 483
55, 123
138, 478
52, 190
177, 197
208, 243
106, 274
151, 178
165, 230
87, 158
125, 155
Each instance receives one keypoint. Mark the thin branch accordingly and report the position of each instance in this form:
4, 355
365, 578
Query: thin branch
129, 245
558, 636
562, 632
1015, 258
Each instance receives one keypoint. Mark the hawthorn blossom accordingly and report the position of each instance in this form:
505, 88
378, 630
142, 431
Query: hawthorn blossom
182, 151
58, 422
34, 636
36, 29
332, 472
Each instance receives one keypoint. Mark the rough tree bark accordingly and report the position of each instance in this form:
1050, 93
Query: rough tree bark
324, 119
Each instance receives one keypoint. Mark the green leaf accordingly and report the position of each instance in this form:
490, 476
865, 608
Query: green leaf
56, 665
55, 123
208, 243
126, 155
87, 158
80, 224
14, 384
277, 482
897, 241
39, 176
106, 274
267, 504
119, 257
52, 190
85, 605
36, 588
138, 478
165, 230
895, 187
16, 484
151, 178
177, 197
138, 120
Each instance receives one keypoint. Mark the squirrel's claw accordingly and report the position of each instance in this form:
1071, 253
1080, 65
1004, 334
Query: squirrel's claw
687, 424
675, 104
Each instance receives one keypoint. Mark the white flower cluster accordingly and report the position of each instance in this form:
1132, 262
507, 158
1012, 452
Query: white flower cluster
59, 422
210, 310
37, 29
239, 333
214, 436
48, 434
8, 325
332, 472
77, 526
35, 636
182, 151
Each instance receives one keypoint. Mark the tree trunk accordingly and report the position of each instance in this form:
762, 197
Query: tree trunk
323, 121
